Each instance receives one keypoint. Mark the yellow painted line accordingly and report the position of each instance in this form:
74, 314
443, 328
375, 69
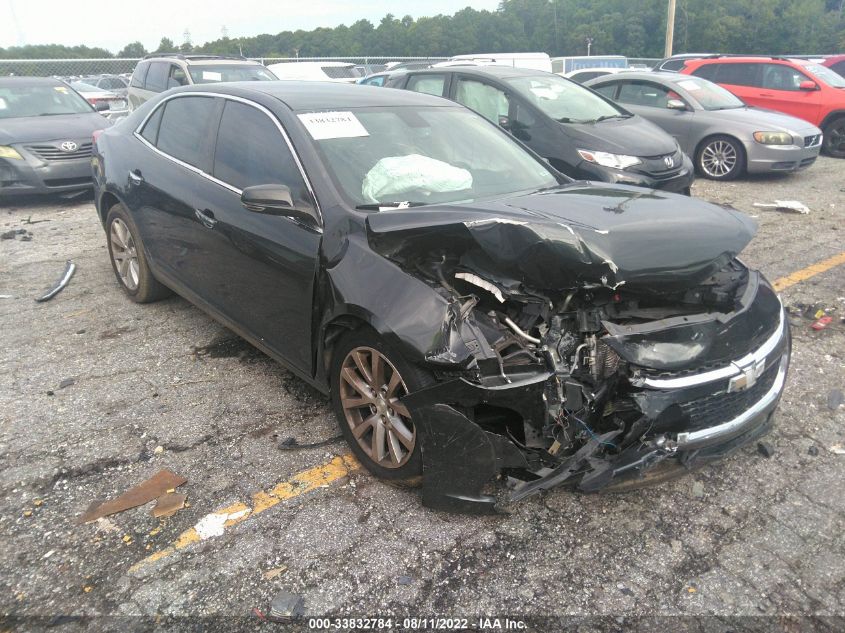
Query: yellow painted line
297, 485
810, 271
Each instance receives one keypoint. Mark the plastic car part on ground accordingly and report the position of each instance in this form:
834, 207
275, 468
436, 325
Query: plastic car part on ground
784, 205
396, 175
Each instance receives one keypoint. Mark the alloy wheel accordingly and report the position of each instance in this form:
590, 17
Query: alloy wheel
370, 393
836, 138
718, 159
124, 254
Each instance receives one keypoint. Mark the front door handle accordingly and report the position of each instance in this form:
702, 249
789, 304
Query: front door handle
135, 177
206, 217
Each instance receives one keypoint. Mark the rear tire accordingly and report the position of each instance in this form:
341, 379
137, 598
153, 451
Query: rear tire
834, 138
720, 158
129, 260
368, 377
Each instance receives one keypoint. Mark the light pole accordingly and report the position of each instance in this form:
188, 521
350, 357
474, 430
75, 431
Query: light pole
554, 13
589, 45
670, 29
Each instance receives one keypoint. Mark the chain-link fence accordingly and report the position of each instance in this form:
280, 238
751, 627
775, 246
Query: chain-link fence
73, 68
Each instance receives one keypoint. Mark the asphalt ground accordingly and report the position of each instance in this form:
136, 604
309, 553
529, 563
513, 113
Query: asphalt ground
97, 394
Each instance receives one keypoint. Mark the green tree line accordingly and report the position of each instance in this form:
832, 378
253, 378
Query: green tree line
558, 27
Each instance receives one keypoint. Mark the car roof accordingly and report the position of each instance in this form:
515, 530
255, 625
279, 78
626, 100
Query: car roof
493, 70
645, 75
30, 81
200, 61
734, 59
320, 95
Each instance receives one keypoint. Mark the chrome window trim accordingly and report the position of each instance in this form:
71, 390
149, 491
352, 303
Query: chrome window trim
693, 439
734, 369
200, 172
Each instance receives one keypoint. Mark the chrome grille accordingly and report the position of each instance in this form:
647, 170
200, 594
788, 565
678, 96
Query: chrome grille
55, 153
715, 409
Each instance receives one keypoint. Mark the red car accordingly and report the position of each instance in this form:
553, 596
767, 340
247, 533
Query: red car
802, 88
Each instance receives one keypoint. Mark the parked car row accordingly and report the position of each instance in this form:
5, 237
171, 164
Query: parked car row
476, 316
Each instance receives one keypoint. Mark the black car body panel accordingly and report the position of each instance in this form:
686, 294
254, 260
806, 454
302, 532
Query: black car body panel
558, 142
582, 335
55, 150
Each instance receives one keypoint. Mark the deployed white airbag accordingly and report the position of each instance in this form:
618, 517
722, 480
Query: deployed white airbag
395, 175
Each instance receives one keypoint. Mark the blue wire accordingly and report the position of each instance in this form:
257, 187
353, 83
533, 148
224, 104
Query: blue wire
590, 431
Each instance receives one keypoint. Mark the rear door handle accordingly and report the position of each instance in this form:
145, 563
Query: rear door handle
206, 217
135, 177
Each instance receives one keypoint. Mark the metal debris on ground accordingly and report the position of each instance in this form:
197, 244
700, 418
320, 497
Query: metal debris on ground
784, 205
835, 399
151, 489
285, 606
70, 268
273, 573
290, 443
813, 451
168, 504
765, 449
837, 449
67, 382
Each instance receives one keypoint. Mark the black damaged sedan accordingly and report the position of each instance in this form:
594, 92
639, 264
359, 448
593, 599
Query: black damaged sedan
485, 326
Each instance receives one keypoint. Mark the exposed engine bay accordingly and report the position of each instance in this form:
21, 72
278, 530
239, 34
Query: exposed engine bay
544, 387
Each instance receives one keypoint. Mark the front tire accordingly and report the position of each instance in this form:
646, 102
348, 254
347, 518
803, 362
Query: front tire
129, 260
720, 158
368, 380
834, 138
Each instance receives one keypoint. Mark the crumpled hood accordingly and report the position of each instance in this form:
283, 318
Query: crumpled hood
578, 235
634, 136
37, 129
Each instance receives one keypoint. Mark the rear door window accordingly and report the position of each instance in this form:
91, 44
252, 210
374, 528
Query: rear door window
608, 90
157, 76
185, 129
251, 151
150, 130
739, 74
428, 84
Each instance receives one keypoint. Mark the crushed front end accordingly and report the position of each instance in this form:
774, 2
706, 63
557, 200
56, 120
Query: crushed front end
603, 385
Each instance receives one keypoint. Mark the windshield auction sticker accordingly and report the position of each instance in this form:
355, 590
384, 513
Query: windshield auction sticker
326, 125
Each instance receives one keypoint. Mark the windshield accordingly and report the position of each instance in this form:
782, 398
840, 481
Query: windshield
827, 75
563, 100
22, 101
421, 156
709, 95
207, 73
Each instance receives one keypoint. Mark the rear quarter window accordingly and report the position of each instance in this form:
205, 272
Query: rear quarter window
157, 76
139, 75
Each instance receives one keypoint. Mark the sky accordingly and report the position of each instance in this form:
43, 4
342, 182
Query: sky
107, 25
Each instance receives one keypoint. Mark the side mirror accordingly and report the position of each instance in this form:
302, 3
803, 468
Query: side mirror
101, 106
275, 200
676, 104
808, 85
504, 122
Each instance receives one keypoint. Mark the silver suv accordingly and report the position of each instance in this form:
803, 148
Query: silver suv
161, 71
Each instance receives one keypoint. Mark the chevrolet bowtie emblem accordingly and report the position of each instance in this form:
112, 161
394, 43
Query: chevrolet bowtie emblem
747, 377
